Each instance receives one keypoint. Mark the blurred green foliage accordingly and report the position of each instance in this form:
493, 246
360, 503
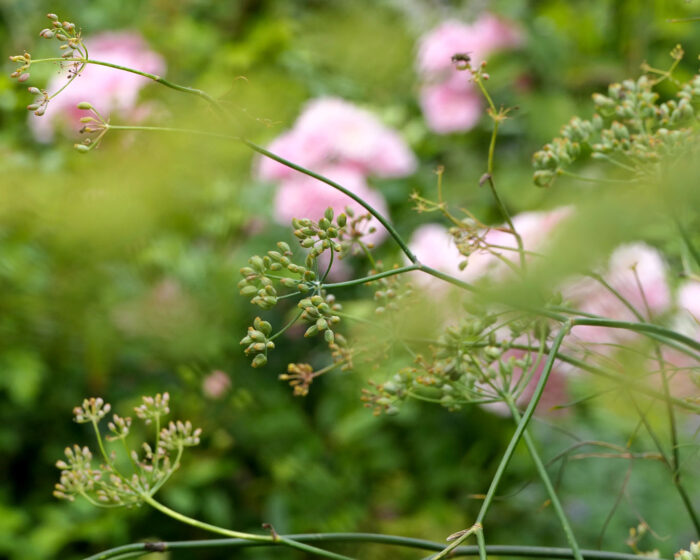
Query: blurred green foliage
118, 276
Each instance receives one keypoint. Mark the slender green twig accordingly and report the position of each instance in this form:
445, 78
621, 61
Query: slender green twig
551, 492
287, 326
393, 540
497, 116
239, 535
198, 92
515, 439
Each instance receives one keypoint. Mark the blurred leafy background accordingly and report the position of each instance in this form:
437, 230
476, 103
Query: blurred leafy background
118, 277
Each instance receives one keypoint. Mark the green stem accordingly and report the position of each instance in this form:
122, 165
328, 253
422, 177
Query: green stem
613, 376
287, 326
154, 77
515, 439
373, 277
393, 540
489, 170
239, 535
381, 219
542, 471
646, 328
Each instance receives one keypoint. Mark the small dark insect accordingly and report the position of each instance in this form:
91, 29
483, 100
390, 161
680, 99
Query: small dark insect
461, 57
461, 60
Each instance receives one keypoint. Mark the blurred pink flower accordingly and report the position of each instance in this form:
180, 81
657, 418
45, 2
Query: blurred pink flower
487, 34
302, 196
447, 109
638, 273
450, 102
216, 384
333, 131
689, 299
107, 89
434, 246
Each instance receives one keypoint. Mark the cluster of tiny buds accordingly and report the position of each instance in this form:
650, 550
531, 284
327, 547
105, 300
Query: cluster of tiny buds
119, 427
65, 32
320, 236
257, 343
180, 434
300, 377
692, 554
92, 410
628, 121
319, 310
153, 407
259, 285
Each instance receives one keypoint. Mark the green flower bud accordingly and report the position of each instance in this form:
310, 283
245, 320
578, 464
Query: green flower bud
262, 326
311, 331
84, 106
328, 336
259, 360
342, 220
257, 263
248, 291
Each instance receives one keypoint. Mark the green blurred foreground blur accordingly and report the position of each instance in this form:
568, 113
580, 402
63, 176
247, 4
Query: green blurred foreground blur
118, 273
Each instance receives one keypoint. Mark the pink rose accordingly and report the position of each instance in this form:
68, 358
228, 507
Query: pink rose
638, 273
449, 101
332, 131
107, 89
448, 110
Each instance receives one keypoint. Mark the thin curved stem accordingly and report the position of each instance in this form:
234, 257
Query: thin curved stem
375, 213
391, 540
159, 79
240, 535
515, 439
551, 492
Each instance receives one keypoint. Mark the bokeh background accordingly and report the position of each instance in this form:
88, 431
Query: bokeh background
118, 275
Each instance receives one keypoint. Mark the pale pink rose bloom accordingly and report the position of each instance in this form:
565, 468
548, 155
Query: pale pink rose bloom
536, 229
639, 274
689, 299
292, 147
448, 110
107, 89
434, 247
216, 384
302, 196
449, 101
487, 34
333, 131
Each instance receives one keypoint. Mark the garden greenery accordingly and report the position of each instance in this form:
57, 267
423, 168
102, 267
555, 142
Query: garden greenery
494, 351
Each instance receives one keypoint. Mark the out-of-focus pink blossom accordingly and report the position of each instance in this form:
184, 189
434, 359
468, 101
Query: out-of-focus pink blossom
536, 229
216, 384
107, 89
434, 246
487, 34
450, 102
332, 131
447, 109
689, 299
638, 273
301, 196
